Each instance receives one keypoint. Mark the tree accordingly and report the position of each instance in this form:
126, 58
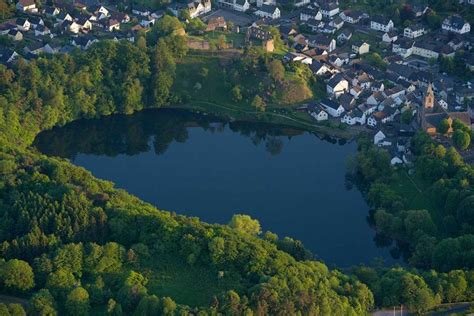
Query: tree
443, 126
276, 70
245, 224
237, 93
462, 139
258, 103
77, 302
221, 41
5, 9
17, 275
168, 306
42, 304
407, 116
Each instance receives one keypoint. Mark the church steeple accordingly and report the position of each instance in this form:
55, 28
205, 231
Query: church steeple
429, 100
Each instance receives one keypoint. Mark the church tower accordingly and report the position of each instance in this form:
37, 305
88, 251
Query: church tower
429, 100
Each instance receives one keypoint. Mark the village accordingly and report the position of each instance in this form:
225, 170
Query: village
385, 77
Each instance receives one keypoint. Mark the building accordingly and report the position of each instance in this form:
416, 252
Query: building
337, 85
323, 42
310, 14
237, 5
414, 31
199, 7
360, 47
456, 24
26, 6
268, 11
332, 108
329, 9
381, 23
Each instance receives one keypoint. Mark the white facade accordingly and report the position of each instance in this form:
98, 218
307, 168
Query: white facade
456, 24
381, 27
275, 14
413, 32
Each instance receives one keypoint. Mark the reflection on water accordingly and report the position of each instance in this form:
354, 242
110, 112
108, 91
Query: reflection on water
291, 181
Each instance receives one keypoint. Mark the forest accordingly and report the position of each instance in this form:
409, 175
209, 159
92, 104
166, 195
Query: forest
75, 245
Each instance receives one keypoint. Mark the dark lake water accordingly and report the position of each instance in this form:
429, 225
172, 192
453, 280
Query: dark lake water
291, 181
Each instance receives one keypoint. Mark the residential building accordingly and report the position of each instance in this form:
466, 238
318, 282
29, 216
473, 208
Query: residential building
332, 108
268, 11
360, 47
414, 31
329, 9
456, 24
337, 85
237, 5
381, 23
26, 6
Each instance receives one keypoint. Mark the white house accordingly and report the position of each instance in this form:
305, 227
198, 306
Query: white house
237, 5
301, 3
381, 23
319, 114
379, 137
199, 7
268, 11
403, 48
353, 117
298, 57
456, 24
389, 37
332, 108
322, 41
337, 85
360, 47
414, 31
371, 121
351, 16
267, 2
23, 24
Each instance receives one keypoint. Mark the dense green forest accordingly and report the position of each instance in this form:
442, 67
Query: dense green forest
73, 244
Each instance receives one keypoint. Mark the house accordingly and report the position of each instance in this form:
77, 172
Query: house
377, 86
319, 68
37, 48
389, 37
23, 24
329, 9
99, 12
63, 16
15, 35
351, 16
360, 47
122, 17
337, 85
26, 6
113, 25
72, 27
7, 27
379, 137
337, 23
301, 3
345, 35
332, 108
376, 98
7, 55
381, 23
456, 24
237, 5
419, 10
371, 121
328, 29
319, 114
42, 31
199, 7
353, 117
255, 32
84, 22
35, 21
268, 11
322, 41
338, 60
403, 47
298, 57
83, 42
426, 49
51, 11
414, 31
310, 14
267, 2
141, 11
347, 101
148, 22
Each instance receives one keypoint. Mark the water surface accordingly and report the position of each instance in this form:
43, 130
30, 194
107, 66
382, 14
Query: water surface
291, 181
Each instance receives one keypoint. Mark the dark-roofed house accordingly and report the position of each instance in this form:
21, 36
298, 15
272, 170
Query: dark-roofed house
268, 11
337, 85
321, 41
15, 35
360, 47
456, 24
310, 14
332, 108
237, 5
329, 9
381, 23
84, 42
7, 55
414, 31
23, 24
